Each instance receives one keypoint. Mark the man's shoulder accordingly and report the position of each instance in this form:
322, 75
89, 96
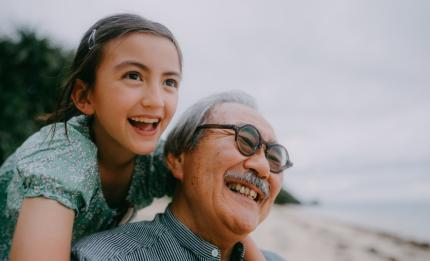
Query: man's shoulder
121, 241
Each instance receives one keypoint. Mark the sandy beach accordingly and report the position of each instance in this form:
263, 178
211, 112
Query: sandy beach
300, 236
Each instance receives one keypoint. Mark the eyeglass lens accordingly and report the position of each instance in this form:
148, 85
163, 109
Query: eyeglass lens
248, 141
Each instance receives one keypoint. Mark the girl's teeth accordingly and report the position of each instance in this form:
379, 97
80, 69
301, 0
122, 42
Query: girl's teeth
144, 120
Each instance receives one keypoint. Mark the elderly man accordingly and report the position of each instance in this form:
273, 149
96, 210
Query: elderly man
228, 167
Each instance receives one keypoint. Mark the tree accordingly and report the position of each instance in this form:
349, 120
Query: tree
30, 75
284, 197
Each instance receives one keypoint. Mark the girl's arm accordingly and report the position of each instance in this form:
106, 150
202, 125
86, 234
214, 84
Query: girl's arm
43, 231
252, 253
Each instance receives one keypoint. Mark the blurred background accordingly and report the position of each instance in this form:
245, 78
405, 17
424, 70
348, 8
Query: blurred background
346, 85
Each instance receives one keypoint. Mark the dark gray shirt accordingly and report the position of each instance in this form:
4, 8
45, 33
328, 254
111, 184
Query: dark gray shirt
164, 238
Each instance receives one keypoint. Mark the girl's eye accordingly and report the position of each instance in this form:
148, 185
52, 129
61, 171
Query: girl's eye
133, 76
171, 83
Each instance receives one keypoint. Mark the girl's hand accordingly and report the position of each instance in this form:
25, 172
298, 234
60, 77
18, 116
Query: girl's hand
252, 252
43, 231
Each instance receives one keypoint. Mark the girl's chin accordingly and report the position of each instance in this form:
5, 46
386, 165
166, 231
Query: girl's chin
146, 148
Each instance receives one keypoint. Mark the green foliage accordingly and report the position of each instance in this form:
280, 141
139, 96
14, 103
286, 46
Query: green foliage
285, 198
30, 74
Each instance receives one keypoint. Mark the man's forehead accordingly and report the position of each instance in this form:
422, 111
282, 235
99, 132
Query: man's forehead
235, 113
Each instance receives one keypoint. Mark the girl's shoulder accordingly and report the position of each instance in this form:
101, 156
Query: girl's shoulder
55, 165
52, 148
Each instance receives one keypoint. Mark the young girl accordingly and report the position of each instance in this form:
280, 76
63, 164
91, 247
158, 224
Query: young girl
86, 175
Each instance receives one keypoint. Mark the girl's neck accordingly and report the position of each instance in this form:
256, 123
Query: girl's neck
110, 153
116, 165
115, 185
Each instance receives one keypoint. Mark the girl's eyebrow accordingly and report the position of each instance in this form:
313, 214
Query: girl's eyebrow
173, 73
134, 63
145, 68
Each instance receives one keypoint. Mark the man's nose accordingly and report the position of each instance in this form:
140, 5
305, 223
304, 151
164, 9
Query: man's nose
259, 163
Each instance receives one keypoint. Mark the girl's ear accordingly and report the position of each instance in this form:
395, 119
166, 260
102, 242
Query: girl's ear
175, 165
81, 98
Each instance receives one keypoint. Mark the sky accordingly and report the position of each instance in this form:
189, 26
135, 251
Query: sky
345, 84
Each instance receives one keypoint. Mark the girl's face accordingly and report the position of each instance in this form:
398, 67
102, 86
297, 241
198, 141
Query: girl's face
135, 93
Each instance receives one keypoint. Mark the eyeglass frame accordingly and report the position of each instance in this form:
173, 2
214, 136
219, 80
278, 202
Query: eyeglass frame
261, 141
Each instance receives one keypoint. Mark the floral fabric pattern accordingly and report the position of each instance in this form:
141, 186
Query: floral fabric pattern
64, 168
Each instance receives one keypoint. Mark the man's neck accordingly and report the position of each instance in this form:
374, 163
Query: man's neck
226, 254
225, 239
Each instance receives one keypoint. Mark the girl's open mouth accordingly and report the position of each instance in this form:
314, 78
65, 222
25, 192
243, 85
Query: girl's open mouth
144, 124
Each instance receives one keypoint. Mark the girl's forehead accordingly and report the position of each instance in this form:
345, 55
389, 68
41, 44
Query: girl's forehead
142, 46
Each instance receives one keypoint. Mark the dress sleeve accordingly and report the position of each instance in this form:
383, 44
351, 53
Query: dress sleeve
59, 170
160, 175
152, 179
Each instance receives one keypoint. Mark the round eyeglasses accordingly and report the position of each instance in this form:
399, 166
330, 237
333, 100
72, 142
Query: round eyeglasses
249, 141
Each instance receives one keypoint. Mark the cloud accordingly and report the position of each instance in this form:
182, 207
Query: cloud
345, 83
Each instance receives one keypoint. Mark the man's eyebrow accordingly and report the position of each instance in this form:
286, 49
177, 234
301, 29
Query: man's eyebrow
146, 68
269, 141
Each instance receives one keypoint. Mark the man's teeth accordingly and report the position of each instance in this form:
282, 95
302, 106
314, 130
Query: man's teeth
252, 194
144, 120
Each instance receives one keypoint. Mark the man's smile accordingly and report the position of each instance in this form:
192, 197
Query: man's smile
244, 190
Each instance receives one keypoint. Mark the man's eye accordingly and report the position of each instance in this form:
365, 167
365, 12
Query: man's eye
133, 76
171, 83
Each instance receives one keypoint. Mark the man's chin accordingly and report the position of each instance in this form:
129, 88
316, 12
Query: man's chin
244, 224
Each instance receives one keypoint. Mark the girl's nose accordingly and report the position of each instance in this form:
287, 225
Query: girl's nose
152, 95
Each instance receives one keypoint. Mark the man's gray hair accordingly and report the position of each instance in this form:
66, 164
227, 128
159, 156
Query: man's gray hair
182, 138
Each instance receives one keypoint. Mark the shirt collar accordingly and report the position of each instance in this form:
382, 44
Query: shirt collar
195, 244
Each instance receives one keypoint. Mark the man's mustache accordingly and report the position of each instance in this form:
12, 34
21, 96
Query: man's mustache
250, 176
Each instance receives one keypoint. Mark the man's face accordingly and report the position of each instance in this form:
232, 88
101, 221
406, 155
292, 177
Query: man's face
211, 199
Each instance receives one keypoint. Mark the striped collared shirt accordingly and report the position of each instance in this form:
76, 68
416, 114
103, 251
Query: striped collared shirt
164, 238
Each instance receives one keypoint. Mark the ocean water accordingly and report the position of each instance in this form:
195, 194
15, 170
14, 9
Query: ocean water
409, 220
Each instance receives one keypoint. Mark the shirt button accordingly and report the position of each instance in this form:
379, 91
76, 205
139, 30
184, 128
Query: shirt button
215, 253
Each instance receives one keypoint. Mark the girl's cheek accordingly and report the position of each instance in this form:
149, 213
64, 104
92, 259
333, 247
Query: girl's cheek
172, 103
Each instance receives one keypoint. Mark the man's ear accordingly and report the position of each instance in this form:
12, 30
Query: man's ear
175, 165
81, 98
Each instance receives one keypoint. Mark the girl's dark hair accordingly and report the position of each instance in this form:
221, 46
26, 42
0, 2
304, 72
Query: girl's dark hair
89, 54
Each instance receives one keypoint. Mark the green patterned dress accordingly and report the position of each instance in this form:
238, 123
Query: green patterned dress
66, 170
